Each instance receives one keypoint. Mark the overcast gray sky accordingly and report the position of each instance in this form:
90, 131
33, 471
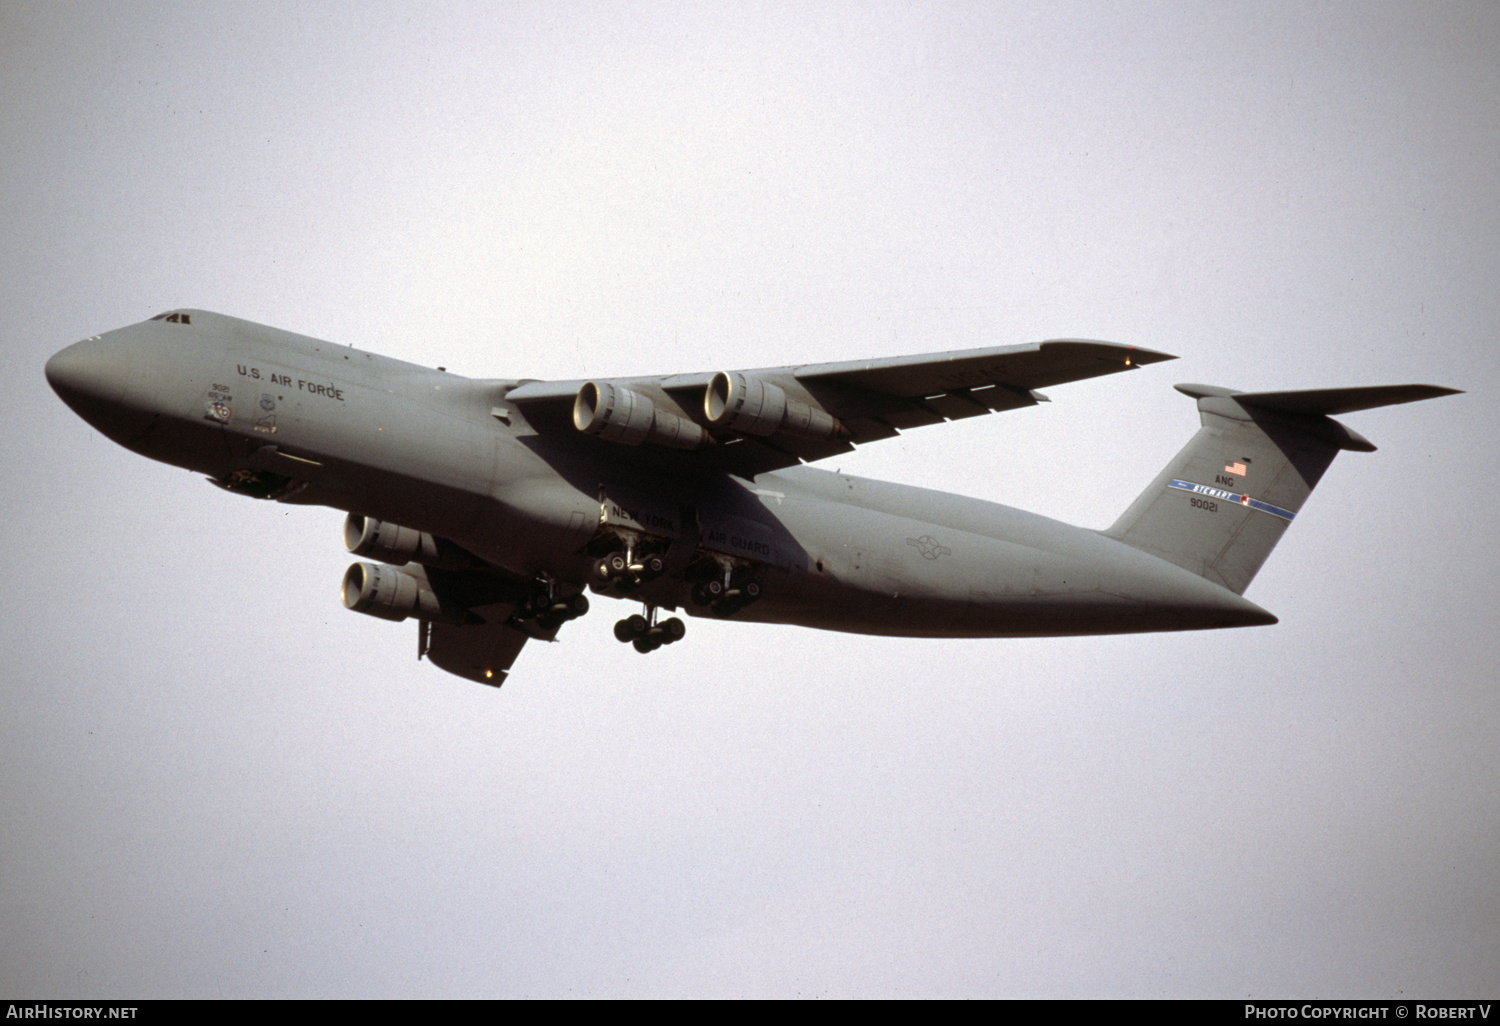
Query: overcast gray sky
218, 782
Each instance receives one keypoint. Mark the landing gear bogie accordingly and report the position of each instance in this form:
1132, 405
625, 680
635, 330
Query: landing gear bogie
647, 636
623, 573
725, 597
547, 609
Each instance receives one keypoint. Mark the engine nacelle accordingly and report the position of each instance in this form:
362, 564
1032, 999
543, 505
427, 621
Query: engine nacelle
757, 407
391, 594
617, 414
392, 543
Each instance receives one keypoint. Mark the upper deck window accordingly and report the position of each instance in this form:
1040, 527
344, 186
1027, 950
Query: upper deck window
173, 318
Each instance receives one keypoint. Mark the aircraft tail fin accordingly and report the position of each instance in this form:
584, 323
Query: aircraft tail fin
1221, 505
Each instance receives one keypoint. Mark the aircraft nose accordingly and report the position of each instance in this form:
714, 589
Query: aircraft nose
88, 374
105, 383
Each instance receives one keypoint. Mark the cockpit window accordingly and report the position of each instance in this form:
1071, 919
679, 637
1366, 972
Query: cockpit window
174, 318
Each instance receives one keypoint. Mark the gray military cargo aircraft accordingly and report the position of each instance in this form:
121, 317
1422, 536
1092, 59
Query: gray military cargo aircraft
488, 508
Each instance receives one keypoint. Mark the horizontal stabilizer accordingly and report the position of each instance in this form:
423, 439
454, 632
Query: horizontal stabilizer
1328, 402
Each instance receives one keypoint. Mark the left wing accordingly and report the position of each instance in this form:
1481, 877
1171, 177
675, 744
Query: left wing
473, 617
481, 652
752, 421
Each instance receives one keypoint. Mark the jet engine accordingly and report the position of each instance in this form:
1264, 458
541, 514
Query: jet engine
391, 594
757, 407
617, 414
392, 543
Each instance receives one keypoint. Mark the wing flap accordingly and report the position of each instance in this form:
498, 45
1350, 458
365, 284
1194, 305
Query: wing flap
956, 405
915, 416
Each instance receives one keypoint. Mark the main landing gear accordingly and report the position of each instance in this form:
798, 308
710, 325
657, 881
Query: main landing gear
722, 583
646, 634
727, 595
624, 572
547, 609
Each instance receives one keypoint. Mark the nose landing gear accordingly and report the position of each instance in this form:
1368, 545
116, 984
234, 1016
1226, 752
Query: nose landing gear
646, 634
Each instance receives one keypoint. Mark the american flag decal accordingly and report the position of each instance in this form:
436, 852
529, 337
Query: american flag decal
1235, 468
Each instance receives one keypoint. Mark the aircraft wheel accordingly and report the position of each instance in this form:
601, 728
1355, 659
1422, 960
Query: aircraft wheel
631, 628
577, 606
700, 595
601, 570
653, 566
617, 564
751, 591
672, 630
644, 645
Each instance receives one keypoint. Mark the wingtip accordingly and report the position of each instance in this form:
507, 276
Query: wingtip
1134, 356
1140, 357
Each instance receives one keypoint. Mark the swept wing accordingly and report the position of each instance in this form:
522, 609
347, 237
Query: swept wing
867, 399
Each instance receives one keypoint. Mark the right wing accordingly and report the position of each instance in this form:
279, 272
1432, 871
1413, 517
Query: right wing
781, 416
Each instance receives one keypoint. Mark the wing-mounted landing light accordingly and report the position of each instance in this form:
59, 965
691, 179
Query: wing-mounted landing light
756, 407
617, 414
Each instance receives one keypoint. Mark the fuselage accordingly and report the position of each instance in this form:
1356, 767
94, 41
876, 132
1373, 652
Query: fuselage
279, 415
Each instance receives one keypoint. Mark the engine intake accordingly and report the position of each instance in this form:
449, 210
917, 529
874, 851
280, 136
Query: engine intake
757, 407
392, 543
617, 414
379, 590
